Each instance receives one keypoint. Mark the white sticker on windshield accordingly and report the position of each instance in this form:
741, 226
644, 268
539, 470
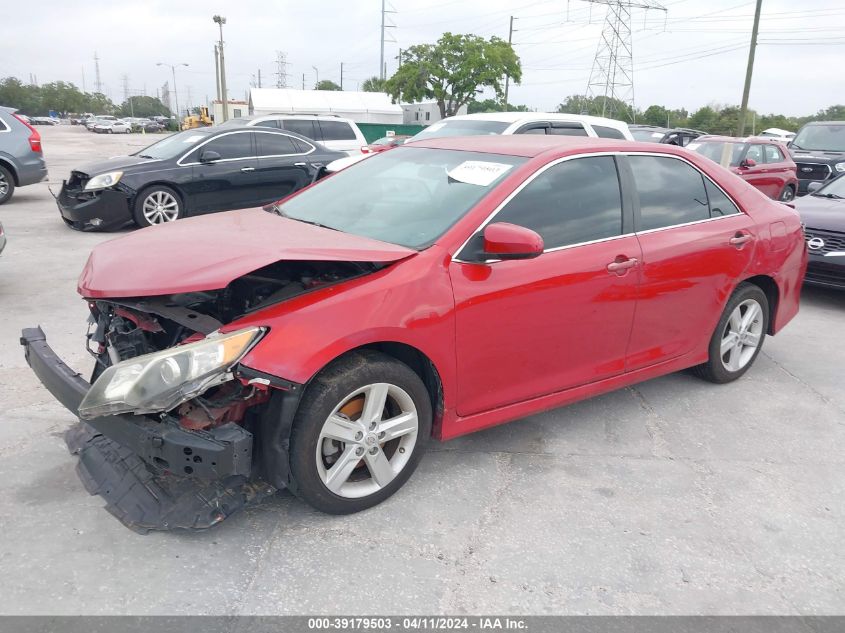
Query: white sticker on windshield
478, 172
693, 145
193, 139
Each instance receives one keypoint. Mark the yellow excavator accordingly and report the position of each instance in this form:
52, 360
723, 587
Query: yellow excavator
197, 120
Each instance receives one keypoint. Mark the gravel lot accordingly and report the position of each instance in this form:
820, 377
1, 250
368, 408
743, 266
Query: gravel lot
674, 497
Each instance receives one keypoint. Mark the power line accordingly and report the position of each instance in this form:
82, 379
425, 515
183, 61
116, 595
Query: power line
281, 70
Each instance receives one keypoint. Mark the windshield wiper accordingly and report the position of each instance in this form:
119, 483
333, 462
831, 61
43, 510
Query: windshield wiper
278, 211
829, 195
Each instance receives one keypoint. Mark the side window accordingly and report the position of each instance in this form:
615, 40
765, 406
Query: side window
428, 116
773, 154
3, 126
671, 192
572, 202
608, 132
273, 123
336, 131
275, 144
302, 147
567, 129
301, 126
237, 145
533, 128
720, 204
236, 113
755, 153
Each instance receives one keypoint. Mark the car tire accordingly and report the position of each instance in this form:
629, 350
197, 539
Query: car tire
157, 205
738, 337
333, 428
788, 194
7, 185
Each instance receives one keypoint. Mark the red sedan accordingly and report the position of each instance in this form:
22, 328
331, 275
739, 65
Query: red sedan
434, 290
763, 163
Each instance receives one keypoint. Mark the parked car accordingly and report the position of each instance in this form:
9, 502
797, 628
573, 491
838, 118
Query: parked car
192, 172
440, 288
784, 136
113, 127
333, 132
555, 124
92, 123
385, 143
819, 152
44, 120
762, 162
21, 157
823, 214
670, 136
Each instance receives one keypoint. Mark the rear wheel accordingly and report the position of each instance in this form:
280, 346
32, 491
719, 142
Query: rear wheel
360, 431
157, 205
787, 194
7, 184
739, 335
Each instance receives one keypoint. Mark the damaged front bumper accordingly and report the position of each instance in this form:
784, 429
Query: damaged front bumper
103, 209
153, 473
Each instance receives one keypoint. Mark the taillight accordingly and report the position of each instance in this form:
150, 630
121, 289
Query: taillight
34, 136
365, 149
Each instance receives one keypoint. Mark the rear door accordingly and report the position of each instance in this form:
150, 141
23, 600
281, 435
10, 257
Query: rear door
695, 244
526, 328
758, 175
778, 170
228, 182
282, 166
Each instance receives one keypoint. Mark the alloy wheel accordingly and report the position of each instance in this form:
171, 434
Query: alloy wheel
4, 185
742, 335
160, 207
367, 440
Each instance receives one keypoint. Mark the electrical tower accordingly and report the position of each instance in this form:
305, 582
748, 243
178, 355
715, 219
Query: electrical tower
281, 70
382, 67
612, 75
98, 85
125, 81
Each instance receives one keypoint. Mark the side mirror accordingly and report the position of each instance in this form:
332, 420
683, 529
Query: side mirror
209, 156
509, 241
748, 162
814, 186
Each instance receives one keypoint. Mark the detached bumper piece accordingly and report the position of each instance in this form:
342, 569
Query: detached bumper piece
153, 475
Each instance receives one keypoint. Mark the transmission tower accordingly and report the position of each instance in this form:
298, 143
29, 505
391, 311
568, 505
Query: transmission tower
124, 79
281, 70
385, 24
612, 75
97, 83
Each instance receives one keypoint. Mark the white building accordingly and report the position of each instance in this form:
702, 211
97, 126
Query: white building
424, 113
236, 109
361, 107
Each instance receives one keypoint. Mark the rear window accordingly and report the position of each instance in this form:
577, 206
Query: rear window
462, 127
270, 144
726, 154
671, 192
305, 127
608, 132
336, 131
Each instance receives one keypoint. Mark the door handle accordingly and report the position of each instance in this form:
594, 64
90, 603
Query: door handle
740, 239
619, 266
299, 164
246, 169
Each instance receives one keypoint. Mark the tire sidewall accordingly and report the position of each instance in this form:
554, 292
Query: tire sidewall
138, 205
10, 181
744, 292
783, 194
323, 394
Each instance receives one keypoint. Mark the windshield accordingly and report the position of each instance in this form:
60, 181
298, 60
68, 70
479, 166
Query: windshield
829, 138
647, 135
172, 146
835, 189
716, 150
462, 127
407, 196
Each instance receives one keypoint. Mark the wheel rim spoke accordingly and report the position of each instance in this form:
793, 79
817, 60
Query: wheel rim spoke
399, 426
752, 339
374, 400
339, 474
379, 468
727, 344
750, 315
341, 428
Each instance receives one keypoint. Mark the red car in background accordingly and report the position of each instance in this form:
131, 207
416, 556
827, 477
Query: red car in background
424, 293
383, 144
764, 163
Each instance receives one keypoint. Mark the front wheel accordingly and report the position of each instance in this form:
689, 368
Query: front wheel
739, 335
788, 194
7, 185
157, 205
360, 431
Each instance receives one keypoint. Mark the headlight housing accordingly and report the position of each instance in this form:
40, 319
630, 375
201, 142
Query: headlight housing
162, 380
839, 166
104, 180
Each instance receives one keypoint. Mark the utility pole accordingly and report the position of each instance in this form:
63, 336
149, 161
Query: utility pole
217, 72
743, 110
384, 11
508, 77
83, 79
175, 93
98, 85
303, 81
259, 77
341, 75
317, 73
220, 21
124, 78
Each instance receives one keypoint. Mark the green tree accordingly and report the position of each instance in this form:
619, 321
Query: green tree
493, 105
143, 106
374, 84
453, 70
61, 97
98, 103
654, 115
325, 84
24, 97
596, 106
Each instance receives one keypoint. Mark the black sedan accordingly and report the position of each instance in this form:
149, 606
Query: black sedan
190, 173
823, 215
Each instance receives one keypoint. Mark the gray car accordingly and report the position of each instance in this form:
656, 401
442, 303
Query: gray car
21, 159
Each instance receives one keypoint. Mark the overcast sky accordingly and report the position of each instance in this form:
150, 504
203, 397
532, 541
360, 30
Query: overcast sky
693, 55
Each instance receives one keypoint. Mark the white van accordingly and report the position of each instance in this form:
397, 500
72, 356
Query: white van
333, 132
556, 124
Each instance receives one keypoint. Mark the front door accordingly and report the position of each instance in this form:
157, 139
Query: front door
527, 328
282, 167
227, 182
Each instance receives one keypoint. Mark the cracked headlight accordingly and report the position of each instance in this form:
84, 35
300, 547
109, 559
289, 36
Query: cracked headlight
104, 181
162, 380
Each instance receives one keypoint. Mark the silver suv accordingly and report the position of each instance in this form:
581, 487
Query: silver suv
21, 159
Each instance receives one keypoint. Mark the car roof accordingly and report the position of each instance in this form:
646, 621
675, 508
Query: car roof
515, 117
735, 139
825, 123
531, 145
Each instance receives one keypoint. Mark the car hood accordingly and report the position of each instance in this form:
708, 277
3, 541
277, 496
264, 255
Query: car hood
113, 164
822, 213
207, 253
